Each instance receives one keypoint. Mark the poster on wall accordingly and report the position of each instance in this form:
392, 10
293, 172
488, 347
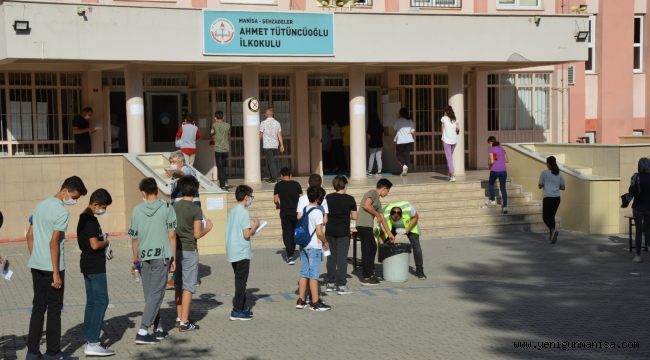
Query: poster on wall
267, 33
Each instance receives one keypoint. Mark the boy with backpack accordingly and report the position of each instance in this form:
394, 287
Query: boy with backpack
239, 229
310, 235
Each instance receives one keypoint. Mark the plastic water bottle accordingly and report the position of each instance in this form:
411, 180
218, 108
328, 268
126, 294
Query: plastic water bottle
136, 271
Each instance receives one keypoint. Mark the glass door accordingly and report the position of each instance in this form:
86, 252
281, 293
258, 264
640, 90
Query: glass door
163, 117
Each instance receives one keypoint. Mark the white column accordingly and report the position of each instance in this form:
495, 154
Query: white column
134, 109
301, 127
456, 101
252, 170
93, 98
357, 93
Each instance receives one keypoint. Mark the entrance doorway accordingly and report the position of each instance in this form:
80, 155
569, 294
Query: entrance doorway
163, 118
117, 116
335, 125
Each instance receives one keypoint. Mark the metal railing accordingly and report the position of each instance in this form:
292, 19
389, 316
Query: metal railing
436, 3
344, 3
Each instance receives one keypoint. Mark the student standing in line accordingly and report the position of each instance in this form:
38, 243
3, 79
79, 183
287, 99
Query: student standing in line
153, 234
552, 182
497, 162
369, 210
239, 229
189, 229
82, 130
285, 196
186, 138
343, 208
312, 254
375, 135
45, 239
314, 180
640, 189
95, 250
450, 133
404, 130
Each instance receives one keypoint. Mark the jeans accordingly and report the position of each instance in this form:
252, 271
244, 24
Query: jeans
414, 239
221, 159
642, 227
46, 298
375, 153
549, 208
337, 262
368, 250
96, 304
404, 153
449, 156
271, 166
154, 282
502, 176
288, 221
240, 268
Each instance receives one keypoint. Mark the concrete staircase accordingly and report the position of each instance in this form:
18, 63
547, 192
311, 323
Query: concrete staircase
445, 209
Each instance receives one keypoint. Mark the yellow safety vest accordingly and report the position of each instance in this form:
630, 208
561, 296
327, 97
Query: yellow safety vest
406, 215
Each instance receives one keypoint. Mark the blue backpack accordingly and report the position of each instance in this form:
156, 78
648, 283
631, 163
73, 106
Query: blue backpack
301, 235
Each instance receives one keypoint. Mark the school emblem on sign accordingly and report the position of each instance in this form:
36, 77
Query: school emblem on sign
253, 104
222, 31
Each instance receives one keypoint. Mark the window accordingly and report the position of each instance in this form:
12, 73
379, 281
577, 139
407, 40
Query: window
505, 4
436, 3
638, 43
590, 65
518, 101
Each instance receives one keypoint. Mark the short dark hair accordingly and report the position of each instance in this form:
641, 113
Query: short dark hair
87, 109
188, 185
149, 186
74, 183
314, 193
285, 171
101, 197
242, 191
315, 180
384, 184
339, 182
218, 114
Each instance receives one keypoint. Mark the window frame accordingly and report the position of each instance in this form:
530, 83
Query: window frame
591, 45
638, 45
515, 5
432, 4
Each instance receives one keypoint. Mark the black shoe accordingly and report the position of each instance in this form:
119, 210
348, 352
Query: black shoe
161, 334
554, 238
370, 281
420, 275
319, 306
146, 339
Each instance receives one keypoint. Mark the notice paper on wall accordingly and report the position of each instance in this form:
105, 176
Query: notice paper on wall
252, 119
136, 109
215, 203
359, 109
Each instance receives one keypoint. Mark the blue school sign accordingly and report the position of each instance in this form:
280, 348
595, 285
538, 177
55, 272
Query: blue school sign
267, 33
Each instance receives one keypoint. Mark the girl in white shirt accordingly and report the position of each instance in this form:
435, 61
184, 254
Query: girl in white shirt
404, 130
449, 138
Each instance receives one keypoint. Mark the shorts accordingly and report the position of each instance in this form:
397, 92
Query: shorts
186, 275
310, 260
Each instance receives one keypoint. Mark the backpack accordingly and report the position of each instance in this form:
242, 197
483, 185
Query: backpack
301, 235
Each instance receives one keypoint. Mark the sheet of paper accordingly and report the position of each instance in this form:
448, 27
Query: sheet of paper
263, 224
253, 119
7, 274
136, 109
215, 203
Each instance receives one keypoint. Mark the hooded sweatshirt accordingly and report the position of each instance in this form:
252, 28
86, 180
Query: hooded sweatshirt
150, 224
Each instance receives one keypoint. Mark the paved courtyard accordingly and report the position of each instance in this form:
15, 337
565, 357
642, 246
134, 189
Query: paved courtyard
483, 295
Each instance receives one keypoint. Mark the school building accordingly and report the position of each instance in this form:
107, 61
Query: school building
553, 71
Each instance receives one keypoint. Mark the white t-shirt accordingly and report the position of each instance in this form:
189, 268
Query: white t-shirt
315, 218
270, 129
449, 135
304, 201
188, 136
403, 131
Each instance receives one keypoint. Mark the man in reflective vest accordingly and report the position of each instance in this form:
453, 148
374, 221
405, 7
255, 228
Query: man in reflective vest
401, 218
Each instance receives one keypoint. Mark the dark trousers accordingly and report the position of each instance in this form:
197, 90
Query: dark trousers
368, 250
221, 158
271, 166
96, 304
502, 176
404, 153
642, 225
50, 300
288, 221
414, 239
337, 262
240, 268
549, 208
82, 148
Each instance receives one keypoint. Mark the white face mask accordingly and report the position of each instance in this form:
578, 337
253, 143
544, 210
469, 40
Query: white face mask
69, 202
173, 167
100, 212
249, 202
87, 117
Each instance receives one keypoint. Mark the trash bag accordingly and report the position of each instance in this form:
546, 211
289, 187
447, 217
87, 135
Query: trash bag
1, 219
387, 250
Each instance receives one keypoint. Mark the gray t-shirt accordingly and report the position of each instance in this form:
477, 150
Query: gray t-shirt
551, 183
365, 218
270, 129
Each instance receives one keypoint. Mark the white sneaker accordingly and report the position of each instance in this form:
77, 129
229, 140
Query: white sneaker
96, 349
504, 210
405, 170
637, 259
452, 179
489, 202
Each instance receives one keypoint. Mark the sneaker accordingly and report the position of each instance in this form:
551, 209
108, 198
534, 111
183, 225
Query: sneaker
504, 210
420, 275
343, 290
554, 238
369, 173
489, 202
161, 334
405, 170
291, 260
452, 179
31, 356
271, 181
319, 306
379, 172
370, 281
177, 323
248, 311
146, 339
189, 326
330, 287
637, 259
96, 349
240, 315
301, 304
